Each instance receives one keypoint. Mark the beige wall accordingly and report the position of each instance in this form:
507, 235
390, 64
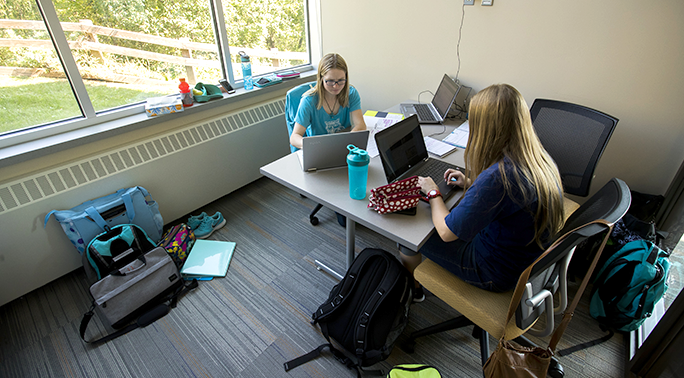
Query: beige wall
621, 57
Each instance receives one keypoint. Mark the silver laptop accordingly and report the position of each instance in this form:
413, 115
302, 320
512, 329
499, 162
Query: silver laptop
403, 154
437, 110
330, 150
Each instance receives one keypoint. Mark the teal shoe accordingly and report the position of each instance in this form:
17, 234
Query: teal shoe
195, 220
209, 225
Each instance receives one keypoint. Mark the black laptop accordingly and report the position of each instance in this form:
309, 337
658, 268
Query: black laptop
403, 154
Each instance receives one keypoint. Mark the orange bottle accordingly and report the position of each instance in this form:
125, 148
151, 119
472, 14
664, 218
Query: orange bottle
185, 92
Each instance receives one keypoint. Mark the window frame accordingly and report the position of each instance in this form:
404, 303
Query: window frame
51, 135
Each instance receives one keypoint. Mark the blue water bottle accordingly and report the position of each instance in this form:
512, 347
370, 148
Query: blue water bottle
357, 164
246, 70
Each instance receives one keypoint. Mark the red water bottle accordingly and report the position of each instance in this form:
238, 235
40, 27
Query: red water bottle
185, 92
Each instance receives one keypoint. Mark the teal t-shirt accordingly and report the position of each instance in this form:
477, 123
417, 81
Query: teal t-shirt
319, 122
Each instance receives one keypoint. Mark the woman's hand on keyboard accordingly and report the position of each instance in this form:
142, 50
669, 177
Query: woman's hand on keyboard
426, 184
454, 177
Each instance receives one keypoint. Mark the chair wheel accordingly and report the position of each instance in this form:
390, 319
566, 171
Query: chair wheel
314, 221
556, 371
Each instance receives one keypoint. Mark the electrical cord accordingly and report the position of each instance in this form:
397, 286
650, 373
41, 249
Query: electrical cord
460, 112
458, 44
430, 92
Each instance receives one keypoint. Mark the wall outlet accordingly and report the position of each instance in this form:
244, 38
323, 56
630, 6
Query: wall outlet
487, 2
468, 2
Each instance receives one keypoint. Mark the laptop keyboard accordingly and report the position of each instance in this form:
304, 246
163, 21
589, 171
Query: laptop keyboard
424, 113
435, 169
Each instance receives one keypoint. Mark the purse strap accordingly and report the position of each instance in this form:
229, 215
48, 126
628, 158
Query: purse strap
567, 315
570, 311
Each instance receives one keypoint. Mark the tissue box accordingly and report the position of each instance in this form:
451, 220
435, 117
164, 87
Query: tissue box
163, 105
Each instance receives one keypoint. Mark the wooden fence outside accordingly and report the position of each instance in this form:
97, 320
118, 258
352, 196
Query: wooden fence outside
91, 43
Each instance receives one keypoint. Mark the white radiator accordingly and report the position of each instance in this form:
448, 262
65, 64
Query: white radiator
183, 170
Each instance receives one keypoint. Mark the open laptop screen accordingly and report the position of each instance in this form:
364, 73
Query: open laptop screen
401, 147
446, 93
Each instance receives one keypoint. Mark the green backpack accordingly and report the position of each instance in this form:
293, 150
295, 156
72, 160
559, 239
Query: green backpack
413, 371
629, 285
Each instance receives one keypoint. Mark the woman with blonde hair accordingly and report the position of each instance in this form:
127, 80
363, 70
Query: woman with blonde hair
331, 106
512, 206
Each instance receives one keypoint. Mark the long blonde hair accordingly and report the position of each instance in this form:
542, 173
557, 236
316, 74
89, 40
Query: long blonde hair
500, 127
329, 62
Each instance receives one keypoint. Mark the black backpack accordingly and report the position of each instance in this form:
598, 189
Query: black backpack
365, 312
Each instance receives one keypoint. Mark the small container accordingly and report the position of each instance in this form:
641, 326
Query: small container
357, 165
185, 92
246, 71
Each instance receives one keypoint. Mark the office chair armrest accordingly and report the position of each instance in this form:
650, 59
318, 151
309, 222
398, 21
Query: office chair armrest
563, 278
547, 297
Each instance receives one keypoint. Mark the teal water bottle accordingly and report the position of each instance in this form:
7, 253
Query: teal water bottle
357, 164
246, 70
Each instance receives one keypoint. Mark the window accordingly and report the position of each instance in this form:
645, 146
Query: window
67, 64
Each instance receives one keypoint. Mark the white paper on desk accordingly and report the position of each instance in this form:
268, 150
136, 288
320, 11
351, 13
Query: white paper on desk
437, 147
459, 137
375, 125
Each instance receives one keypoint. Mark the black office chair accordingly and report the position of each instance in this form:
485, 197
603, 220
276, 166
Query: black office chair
575, 137
487, 311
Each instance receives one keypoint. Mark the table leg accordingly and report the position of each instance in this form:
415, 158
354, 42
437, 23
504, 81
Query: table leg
351, 238
327, 269
351, 246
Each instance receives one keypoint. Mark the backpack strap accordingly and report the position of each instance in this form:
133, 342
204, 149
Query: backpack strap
339, 356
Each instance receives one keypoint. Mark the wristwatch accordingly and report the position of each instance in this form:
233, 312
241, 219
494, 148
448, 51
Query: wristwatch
433, 194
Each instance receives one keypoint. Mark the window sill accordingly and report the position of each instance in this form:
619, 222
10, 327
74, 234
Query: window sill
22, 152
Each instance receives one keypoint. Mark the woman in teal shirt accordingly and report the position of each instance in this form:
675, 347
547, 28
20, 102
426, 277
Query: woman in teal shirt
331, 106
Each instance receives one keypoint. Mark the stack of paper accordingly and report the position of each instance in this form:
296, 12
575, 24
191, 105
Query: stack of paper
437, 147
459, 137
375, 122
208, 258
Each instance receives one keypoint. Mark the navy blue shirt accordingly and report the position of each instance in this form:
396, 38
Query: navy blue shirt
499, 226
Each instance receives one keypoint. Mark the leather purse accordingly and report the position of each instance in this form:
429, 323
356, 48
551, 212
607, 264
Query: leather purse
397, 196
515, 361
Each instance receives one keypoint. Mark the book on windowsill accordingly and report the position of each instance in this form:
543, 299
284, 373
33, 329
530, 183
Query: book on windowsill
208, 258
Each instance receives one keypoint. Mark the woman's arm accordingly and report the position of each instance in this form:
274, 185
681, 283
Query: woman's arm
298, 132
358, 124
438, 209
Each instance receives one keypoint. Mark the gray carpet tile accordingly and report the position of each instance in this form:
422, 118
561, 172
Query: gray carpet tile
250, 322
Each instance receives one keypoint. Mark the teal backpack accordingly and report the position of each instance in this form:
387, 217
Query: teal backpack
629, 285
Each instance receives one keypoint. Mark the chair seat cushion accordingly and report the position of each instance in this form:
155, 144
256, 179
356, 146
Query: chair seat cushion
484, 308
569, 206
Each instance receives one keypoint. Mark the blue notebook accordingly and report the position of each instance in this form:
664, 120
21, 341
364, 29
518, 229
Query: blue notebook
208, 258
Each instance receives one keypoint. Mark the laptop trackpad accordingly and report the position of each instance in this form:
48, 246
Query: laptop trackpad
445, 189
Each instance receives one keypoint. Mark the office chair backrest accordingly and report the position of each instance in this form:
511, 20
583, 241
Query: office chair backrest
575, 137
610, 203
292, 100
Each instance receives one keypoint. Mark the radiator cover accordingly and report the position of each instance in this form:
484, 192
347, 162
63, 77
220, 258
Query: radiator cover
183, 170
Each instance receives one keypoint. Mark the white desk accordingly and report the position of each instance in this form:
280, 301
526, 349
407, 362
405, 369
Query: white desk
331, 189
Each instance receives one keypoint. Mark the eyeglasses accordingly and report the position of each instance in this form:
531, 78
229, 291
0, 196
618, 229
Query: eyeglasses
335, 82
